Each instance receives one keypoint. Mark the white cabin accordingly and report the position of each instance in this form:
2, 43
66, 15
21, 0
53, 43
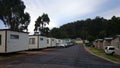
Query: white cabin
37, 42
116, 43
51, 42
12, 41
58, 42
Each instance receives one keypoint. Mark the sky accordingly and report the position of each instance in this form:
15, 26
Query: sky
65, 11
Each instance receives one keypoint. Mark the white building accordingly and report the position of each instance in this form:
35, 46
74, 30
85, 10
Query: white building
12, 41
37, 42
58, 42
116, 44
51, 42
99, 43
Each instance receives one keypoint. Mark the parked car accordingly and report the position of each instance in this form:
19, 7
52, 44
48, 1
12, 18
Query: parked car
69, 43
88, 44
62, 45
109, 49
66, 44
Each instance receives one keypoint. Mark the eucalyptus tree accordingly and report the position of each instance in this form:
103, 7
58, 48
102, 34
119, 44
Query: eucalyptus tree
12, 14
40, 24
56, 33
25, 22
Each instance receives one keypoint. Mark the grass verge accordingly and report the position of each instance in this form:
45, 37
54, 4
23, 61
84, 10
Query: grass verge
101, 53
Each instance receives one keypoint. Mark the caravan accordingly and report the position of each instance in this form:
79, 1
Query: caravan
13, 41
51, 42
37, 42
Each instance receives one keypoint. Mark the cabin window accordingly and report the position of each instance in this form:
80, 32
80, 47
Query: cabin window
52, 39
12, 36
47, 41
59, 41
0, 39
31, 40
41, 39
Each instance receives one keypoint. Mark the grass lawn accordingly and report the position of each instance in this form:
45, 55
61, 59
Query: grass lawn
101, 53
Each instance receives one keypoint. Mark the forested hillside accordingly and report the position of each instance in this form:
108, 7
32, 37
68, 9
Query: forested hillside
88, 29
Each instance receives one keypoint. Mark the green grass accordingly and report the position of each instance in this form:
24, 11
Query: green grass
101, 53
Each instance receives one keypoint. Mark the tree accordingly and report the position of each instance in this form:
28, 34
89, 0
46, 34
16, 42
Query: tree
55, 32
25, 22
40, 24
91, 38
45, 31
12, 14
89, 29
102, 34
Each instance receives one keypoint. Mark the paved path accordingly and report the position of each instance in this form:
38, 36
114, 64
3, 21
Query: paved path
72, 57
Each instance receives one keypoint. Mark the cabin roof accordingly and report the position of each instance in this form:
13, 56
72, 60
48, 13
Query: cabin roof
13, 31
117, 36
108, 38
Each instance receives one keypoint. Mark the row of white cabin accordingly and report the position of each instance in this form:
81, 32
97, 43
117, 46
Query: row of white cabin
102, 43
12, 41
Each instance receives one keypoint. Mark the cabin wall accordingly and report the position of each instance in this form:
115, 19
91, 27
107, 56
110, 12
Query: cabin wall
33, 42
96, 44
2, 41
106, 43
42, 42
117, 46
58, 41
53, 42
100, 45
49, 42
17, 41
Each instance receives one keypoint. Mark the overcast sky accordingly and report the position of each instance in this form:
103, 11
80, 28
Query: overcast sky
65, 11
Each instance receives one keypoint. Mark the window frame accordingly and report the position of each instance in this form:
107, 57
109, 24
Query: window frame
47, 41
41, 39
31, 40
52, 39
14, 36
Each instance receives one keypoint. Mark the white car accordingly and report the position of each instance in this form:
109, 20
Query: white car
66, 44
62, 45
109, 49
